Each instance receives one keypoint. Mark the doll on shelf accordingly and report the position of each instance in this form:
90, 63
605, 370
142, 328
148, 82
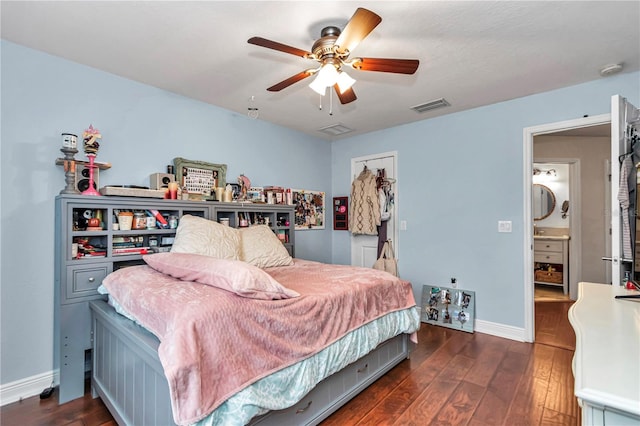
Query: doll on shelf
245, 184
91, 138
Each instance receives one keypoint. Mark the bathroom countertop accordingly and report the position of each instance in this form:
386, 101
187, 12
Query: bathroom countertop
551, 237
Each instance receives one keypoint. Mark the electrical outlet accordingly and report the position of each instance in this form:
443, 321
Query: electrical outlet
454, 283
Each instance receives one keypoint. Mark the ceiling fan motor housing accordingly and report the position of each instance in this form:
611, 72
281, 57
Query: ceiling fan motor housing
323, 47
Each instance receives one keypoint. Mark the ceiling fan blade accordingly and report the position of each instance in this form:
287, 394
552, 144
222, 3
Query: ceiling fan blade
400, 66
269, 44
347, 96
359, 26
289, 81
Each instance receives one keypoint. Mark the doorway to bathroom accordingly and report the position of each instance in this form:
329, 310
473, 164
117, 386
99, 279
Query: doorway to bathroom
554, 195
565, 143
575, 164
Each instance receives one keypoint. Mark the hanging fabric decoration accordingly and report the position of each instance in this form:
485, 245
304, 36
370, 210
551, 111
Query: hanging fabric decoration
364, 211
623, 197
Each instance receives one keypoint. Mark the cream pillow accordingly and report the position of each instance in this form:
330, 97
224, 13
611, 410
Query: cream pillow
261, 247
231, 275
197, 235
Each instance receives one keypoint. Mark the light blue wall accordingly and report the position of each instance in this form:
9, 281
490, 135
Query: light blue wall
143, 129
458, 175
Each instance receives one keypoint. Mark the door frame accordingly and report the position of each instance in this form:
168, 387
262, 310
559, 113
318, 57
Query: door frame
396, 205
528, 135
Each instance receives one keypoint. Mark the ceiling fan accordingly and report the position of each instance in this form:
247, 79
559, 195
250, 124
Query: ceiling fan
332, 51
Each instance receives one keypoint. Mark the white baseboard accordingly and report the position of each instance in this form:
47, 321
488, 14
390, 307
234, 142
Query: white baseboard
500, 330
25, 388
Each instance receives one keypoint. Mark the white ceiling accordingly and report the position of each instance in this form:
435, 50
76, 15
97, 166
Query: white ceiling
471, 53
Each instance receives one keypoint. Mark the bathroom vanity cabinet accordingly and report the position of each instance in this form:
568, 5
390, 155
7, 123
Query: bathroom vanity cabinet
551, 256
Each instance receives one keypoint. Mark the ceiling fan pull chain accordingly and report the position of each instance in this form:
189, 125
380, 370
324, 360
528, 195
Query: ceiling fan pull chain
330, 101
320, 105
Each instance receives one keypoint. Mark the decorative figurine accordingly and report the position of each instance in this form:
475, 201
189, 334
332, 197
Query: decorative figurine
91, 138
245, 184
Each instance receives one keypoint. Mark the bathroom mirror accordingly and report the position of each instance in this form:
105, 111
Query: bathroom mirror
544, 201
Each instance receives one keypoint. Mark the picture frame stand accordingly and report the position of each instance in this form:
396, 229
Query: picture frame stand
448, 307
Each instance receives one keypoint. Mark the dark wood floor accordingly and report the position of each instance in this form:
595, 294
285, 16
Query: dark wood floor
548, 293
452, 378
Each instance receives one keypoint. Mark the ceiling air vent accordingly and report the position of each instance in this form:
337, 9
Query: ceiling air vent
335, 130
438, 103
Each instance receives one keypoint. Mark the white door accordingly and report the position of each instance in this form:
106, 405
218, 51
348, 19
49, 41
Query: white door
623, 114
364, 248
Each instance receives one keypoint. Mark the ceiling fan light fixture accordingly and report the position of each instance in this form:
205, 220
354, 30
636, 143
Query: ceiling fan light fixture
328, 76
345, 81
317, 86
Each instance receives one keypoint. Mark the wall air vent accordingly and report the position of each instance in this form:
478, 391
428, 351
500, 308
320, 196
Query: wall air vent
428, 106
335, 130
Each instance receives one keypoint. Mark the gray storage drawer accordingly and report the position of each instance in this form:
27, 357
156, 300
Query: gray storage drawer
83, 280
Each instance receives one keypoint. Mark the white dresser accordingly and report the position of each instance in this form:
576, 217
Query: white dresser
606, 364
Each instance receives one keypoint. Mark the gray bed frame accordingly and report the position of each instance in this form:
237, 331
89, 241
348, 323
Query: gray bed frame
129, 378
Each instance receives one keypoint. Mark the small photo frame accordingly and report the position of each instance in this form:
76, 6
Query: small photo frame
255, 194
199, 177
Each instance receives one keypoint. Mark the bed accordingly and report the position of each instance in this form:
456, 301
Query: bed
197, 338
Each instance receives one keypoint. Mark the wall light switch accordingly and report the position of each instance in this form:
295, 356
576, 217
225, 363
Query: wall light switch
504, 226
403, 225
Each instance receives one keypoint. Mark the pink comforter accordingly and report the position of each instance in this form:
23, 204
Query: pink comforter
214, 343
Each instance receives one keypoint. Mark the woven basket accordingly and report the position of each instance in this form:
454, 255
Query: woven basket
549, 277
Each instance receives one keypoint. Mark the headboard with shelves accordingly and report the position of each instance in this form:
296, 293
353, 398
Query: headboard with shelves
80, 271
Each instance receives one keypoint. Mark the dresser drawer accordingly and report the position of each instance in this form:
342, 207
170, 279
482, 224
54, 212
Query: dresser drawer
82, 281
545, 245
547, 257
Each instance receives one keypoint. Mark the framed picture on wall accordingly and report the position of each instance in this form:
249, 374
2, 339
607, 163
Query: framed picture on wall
199, 177
309, 209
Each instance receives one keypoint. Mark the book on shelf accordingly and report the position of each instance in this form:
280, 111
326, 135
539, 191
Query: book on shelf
88, 254
137, 240
130, 250
158, 216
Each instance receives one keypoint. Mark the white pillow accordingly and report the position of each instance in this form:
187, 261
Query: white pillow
197, 235
231, 275
261, 247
